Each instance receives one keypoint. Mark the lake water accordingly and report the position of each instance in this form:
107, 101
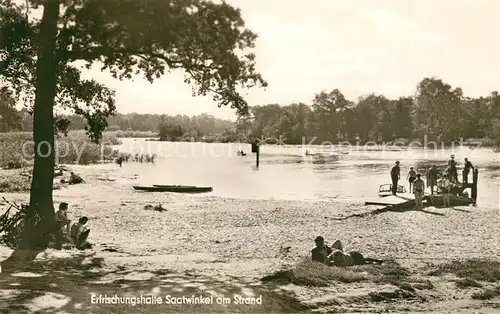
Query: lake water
286, 173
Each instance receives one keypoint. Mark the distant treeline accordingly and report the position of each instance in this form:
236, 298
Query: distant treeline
202, 127
436, 112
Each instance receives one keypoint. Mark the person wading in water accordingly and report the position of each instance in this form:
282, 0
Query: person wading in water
395, 174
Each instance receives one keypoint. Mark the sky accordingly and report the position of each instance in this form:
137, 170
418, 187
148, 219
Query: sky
358, 46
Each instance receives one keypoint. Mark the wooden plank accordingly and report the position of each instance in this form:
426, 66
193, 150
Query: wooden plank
392, 200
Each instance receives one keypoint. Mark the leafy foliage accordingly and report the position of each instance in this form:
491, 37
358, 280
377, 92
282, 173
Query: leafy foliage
207, 40
11, 224
9, 118
168, 132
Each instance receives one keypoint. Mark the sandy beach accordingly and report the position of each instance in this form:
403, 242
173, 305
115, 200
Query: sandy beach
208, 243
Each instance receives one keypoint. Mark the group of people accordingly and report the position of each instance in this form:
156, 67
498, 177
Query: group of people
77, 232
125, 157
449, 181
415, 181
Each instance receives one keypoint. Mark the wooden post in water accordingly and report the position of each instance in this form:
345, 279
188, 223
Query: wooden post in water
474, 185
256, 150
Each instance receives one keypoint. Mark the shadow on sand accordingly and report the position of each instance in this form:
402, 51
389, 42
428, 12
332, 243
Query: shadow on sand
394, 209
67, 284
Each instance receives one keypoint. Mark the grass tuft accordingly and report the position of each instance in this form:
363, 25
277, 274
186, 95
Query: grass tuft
308, 273
487, 294
468, 283
473, 269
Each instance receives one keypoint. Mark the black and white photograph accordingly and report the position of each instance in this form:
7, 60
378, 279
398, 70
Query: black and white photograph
250, 156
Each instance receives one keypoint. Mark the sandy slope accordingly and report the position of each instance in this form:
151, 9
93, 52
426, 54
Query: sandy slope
244, 238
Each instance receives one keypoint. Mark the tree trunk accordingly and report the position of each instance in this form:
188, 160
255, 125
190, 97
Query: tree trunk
36, 235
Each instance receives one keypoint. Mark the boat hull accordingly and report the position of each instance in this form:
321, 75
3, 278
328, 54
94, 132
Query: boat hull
438, 200
173, 189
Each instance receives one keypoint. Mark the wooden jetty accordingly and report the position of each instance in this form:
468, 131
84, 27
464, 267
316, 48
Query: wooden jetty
405, 200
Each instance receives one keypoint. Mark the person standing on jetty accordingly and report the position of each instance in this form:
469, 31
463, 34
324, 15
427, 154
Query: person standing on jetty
433, 177
465, 173
418, 191
395, 175
452, 169
411, 177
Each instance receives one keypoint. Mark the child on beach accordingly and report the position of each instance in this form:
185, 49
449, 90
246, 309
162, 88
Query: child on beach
62, 220
412, 176
446, 189
418, 190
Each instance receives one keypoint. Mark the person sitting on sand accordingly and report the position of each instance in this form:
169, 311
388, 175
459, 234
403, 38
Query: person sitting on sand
341, 259
62, 220
321, 252
58, 172
412, 176
418, 190
75, 179
79, 232
335, 256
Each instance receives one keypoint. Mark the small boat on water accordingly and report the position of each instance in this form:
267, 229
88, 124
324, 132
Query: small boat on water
174, 188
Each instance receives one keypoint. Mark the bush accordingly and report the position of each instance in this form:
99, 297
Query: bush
17, 149
14, 181
308, 273
487, 294
132, 134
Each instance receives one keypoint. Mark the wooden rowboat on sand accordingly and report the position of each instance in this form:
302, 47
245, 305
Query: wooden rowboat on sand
174, 188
